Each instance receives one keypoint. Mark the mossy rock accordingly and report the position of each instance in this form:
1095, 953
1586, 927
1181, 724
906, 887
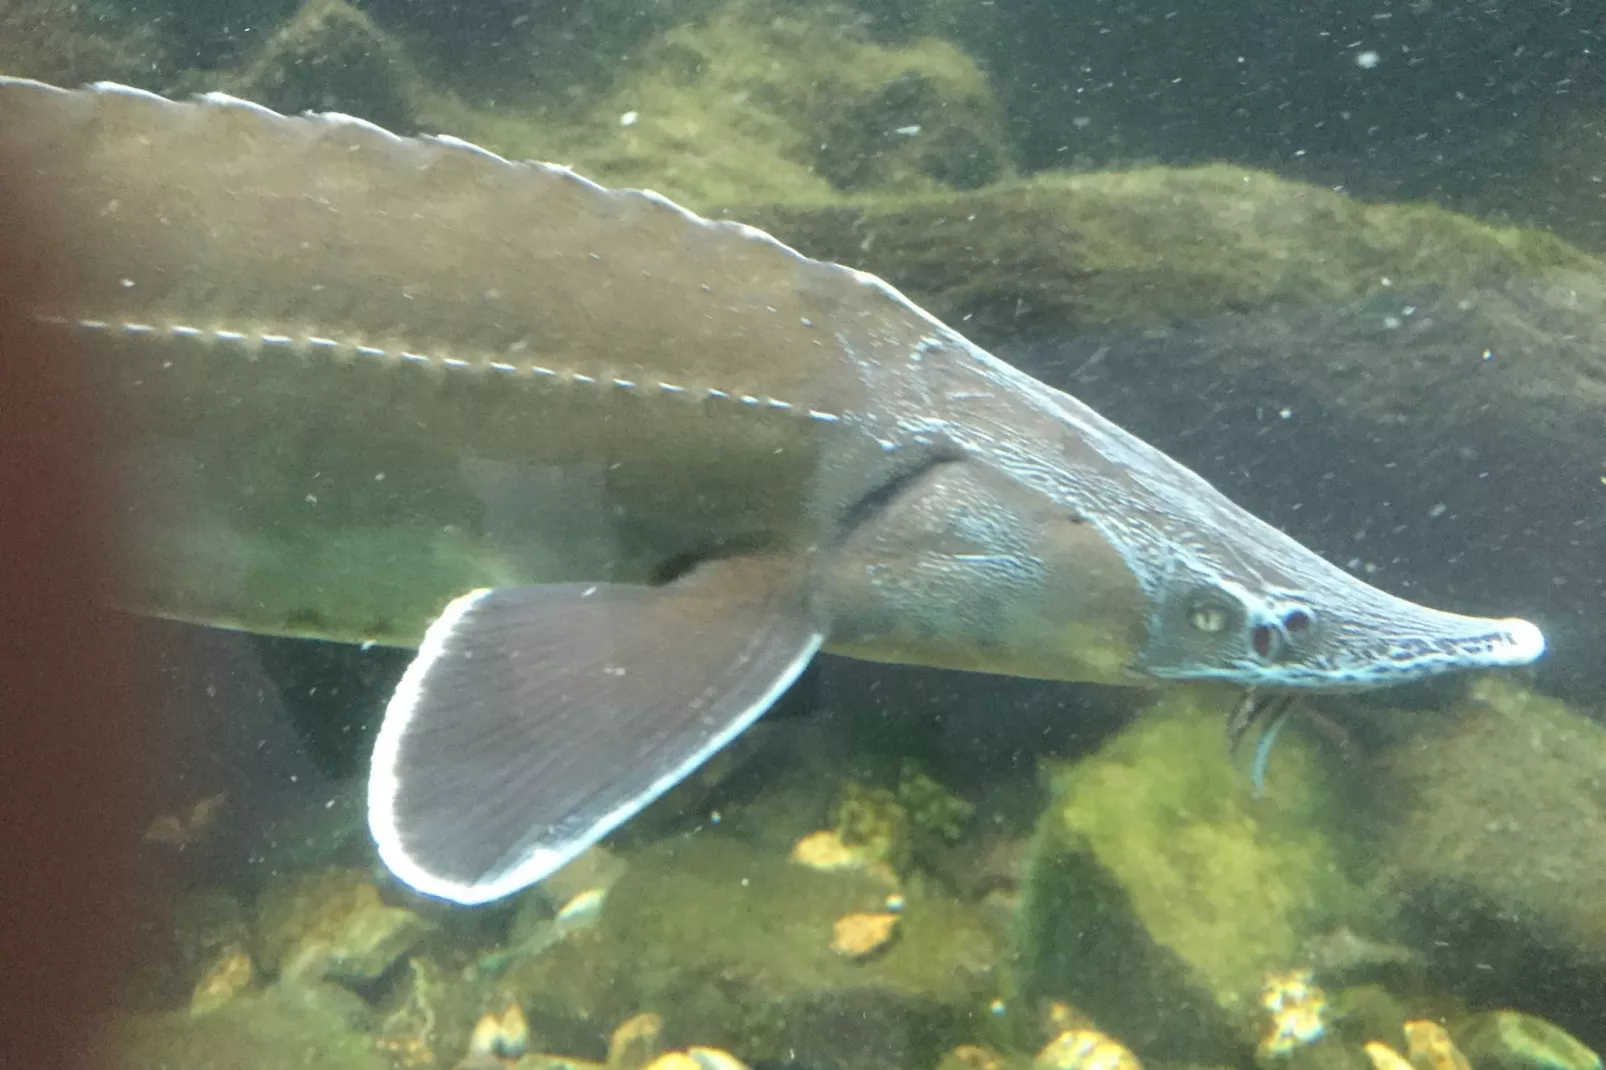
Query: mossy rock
332, 923
57, 41
1500, 852
331, 57
732, 946
1153, 246
1159, 893
766, 102
277, 1030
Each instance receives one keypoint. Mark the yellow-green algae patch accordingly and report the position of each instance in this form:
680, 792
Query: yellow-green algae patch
1503, 838
733, 946
759, 103
1156, 880
1155, 246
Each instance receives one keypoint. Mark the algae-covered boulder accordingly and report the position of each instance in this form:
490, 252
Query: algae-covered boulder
332, 923
1500, 854
58, 41
765, 102
732, 946
277, 1030
331, 57
1160, 895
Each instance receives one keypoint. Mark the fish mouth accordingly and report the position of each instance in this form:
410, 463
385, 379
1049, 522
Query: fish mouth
1524, 643
1454, 644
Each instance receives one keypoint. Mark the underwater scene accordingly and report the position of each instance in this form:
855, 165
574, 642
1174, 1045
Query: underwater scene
1161, 624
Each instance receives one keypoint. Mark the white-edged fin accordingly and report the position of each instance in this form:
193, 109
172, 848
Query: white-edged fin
537, 719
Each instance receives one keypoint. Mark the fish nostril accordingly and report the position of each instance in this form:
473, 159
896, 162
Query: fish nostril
1296, 621
1263, 638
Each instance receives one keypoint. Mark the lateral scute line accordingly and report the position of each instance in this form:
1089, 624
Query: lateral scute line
279, 340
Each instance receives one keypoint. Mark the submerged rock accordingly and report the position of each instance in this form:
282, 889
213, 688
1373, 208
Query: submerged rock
331, 57
276, 1030
333, 924
757, 100
733, 947
229, 975
1499, 853
1160, 895
58, 41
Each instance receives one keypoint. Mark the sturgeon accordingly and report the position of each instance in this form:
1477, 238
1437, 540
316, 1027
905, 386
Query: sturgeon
648, 462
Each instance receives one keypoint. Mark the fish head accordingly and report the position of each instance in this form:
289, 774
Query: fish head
1246, 604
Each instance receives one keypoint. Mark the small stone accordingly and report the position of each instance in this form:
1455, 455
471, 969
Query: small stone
863, 936
1429, 1047
971, 1057
824, 850
636, 1043
229, 975
1511, 1040
333, 924
1060, 1017
715, 1059
1298, 1012
1385, 1058
1085, 1049
502, 1036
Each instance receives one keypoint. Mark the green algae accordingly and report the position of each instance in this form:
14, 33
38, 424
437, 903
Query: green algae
732, 946
1156, 880
332, 57
277, 1030
1154, 246
58, 41
769, 102
1503, 843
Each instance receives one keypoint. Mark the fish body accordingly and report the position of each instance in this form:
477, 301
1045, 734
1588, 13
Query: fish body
649, 463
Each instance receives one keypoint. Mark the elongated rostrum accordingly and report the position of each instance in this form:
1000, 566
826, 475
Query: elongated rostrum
616, 470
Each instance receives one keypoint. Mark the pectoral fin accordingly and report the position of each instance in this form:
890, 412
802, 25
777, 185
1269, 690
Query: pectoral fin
536, 719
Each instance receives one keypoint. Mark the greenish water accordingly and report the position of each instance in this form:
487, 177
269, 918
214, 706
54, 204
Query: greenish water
1345, 263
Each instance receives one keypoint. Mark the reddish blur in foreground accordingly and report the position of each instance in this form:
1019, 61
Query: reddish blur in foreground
69, 734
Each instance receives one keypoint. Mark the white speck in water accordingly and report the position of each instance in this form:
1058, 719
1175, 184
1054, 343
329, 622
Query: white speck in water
908, 131
1367, 60
1438, 510
1285, 413
629, 118
379, 477
127, 283
1082, 122
1391, 322
1488, 354
312, 499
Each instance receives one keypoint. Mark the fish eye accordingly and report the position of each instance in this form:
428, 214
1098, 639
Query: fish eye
1297, 621
1265, 641
1209, 617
